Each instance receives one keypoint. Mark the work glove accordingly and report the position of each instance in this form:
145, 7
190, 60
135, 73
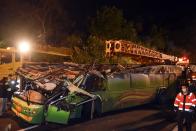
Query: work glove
175, 109
192, 109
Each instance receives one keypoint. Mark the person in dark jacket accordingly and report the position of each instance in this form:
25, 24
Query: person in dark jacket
12, 83
3, 95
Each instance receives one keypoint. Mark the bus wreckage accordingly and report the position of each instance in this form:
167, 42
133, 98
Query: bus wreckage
61, 92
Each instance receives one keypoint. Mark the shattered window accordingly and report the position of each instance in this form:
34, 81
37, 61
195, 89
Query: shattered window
119, 75
94, 83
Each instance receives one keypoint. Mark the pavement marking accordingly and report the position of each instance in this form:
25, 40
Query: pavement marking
29, 128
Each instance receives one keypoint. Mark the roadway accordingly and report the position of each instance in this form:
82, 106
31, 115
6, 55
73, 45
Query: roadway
142, 118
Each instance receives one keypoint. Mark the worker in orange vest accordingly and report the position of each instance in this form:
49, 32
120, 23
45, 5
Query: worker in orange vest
184, 105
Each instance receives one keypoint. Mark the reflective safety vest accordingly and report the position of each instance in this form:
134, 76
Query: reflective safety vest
185, 102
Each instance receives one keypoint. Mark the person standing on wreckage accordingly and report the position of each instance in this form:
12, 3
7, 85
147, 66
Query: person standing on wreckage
3, 95
184, 106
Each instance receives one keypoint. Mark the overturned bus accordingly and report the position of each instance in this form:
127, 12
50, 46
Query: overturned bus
61, 92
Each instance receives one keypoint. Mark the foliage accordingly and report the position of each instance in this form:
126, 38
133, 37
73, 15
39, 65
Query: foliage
3, 44
158, 38
72, 40
39, 57
93, 50
80, 56
47, 14
109, 23
96, 48
43, 20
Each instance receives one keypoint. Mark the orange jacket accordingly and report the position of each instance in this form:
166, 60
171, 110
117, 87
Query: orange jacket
185, 102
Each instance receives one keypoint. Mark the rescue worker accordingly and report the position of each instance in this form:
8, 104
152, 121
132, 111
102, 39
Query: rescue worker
12, 83
3, 95
187, 73
184, 105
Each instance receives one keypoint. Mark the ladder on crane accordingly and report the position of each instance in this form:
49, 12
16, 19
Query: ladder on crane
128, 48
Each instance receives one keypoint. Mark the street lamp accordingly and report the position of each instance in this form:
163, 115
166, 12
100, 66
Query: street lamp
23, 47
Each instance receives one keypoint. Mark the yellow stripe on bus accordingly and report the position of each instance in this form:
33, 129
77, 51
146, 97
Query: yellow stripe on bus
27, 118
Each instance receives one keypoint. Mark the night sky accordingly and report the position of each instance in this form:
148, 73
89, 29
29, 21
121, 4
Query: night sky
178, 17
166, 12
175, 15
159, 11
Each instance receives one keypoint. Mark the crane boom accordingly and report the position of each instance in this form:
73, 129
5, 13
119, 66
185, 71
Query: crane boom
122, 47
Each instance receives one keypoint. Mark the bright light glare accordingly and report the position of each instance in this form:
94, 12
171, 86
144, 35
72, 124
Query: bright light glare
24, 46
184, 58
12, 82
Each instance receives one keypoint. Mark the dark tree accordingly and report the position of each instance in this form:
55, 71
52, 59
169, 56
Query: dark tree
110, 24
